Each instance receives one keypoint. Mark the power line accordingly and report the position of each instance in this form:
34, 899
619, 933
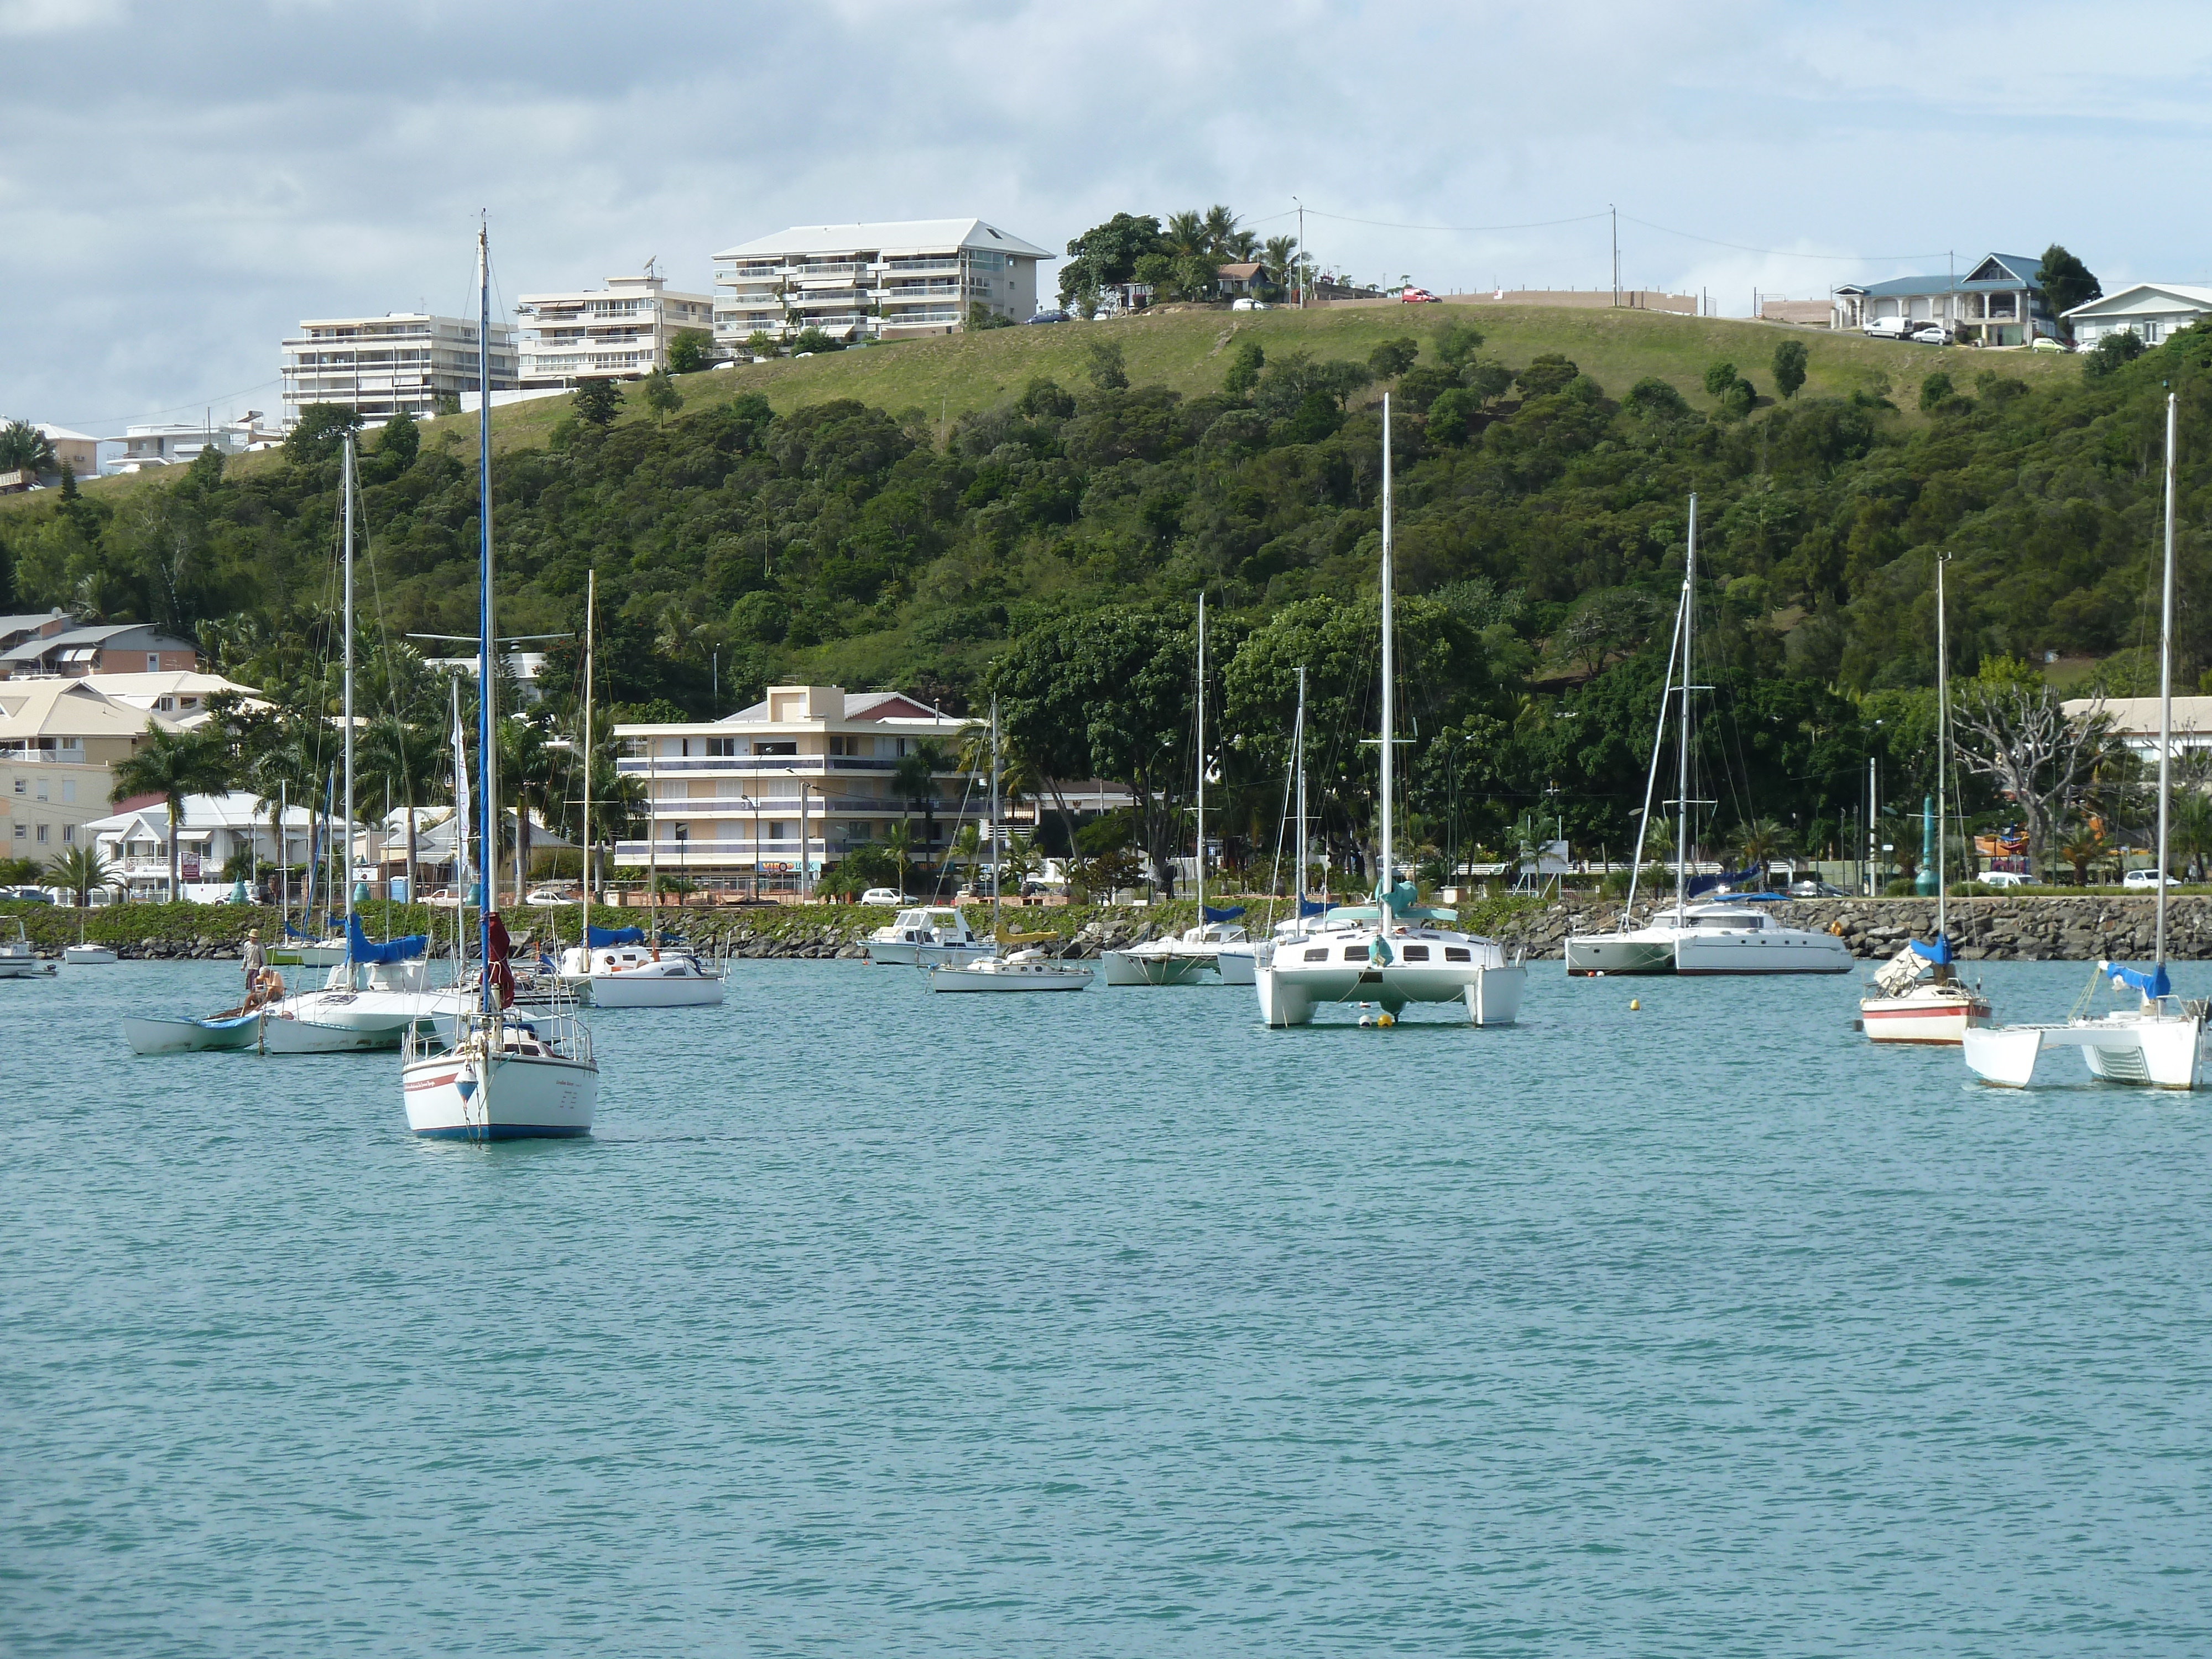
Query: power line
189, 403
1776, 253
1385, 224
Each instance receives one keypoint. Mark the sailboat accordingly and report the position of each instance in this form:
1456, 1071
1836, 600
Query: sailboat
375, 992
618, 967
1718, 936
2160, 1040
1180, 961
1025, 968
1393, 951
1918, 996
488, 1073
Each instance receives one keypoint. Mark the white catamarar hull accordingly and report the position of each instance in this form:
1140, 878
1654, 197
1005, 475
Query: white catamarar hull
458, 1097
2161, 1051
1710, 940
1297, 976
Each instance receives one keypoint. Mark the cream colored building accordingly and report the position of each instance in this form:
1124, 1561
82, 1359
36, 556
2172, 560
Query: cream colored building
885, 282
621, 331
58, 740
404, 361
729, 796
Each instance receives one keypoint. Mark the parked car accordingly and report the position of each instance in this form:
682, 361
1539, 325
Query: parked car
882, 896
1248, 303
1816, 889
1930, 334
2141, 880
2045, 343
551, 893
1885, 328
1419, 296
2001, 879
1046, 316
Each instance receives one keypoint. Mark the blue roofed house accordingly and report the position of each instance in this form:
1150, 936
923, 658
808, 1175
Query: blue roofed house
1997, 302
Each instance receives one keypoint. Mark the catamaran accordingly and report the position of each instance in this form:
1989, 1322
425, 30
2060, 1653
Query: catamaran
1393, 951
487, 1072
1918, 996
1716, 937
2159, 1039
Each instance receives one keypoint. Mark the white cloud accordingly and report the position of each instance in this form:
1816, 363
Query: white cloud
179, 187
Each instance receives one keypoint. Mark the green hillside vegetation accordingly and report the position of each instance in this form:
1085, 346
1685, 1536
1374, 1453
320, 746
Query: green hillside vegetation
1034, 510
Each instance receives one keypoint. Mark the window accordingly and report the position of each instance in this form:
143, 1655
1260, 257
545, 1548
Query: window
68, 792
153, 662
776, 748
167, 705
726, 747
1417, 953
20, 787
42, 834
1458, 953
778, 831
1355, 953
1320, 954
42, 789
69, 835
19, 830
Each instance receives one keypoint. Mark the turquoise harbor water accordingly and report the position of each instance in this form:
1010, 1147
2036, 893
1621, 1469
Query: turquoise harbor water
876, 1322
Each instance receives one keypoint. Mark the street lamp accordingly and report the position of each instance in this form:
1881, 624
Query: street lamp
748, 802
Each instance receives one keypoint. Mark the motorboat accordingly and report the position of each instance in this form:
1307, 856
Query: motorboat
1917, 996
17, 959
619, 970
929, 936
2159, 1040
1394, 951
1719, 936
1027, 970
235, 1029
489, 1073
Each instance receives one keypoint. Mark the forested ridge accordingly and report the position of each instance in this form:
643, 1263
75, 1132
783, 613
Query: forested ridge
1051, 547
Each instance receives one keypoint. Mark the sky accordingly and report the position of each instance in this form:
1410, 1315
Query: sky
181, 185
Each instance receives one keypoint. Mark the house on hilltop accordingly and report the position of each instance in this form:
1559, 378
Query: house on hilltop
1997, 302
2149, 311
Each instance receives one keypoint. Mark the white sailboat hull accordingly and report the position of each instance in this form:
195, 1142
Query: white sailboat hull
997, 974
639, 990
1142, 967
2161, 1052
898, 954
1237, 965
180, 1036
88, 956
1925, 1014
458, 1096
290, 1034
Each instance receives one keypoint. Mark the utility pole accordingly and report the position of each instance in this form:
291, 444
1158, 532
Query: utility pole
1615, 213
1300, 261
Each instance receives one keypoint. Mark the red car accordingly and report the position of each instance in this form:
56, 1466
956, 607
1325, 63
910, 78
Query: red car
1419, 296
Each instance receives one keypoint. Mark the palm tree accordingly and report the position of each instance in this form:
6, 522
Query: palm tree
966, 848
80, 869
172, 764
899, 843
282, 760
1278, 255
2191, 834
2084, 845
1760, 842
402, 756
527, 775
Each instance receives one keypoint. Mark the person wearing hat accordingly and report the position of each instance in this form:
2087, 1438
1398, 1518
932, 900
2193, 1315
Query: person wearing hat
256, 960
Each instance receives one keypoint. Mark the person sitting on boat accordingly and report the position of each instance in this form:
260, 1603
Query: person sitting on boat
503, 975
264, 986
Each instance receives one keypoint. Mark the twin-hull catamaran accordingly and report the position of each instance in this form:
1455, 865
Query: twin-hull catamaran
1392, 953
1719, 936
2159, 1041
487, 1072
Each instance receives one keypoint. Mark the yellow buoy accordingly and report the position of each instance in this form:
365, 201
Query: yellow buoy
1385, 1021
1633, 1004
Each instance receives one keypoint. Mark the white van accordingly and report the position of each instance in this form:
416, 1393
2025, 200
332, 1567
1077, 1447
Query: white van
1887, 328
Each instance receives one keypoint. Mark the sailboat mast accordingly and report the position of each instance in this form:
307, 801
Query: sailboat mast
1298, 761
1652, 773
995, 859
1942, 745
652, 843
345, 471
1383, 874
1689, 673
488, 774
2166, 683
1198, 864
591, 606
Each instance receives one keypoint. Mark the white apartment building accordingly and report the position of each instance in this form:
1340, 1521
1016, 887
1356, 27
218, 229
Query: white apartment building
180, 443
884, 282
402, 361
620, 331
808, 767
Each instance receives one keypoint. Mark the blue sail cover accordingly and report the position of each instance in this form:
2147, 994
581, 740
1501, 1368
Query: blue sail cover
358, 948
290, 932
1706, 884
2152, 984
595, 937
1230, 914
1935, 949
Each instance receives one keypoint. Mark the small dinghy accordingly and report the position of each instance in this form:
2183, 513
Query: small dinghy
238, 1029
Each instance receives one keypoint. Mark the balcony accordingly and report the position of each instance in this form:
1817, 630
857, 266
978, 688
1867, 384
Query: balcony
638, 766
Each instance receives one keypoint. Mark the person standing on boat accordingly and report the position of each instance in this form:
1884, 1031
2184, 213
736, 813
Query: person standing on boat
256, 960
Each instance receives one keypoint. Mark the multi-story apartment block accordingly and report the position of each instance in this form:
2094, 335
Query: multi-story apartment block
805, 772
180, 443
885, 282
404, 361
619, 331
59, 740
